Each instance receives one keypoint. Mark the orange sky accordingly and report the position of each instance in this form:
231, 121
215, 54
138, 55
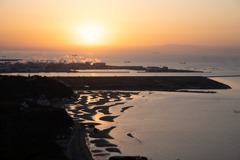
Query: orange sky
77, 24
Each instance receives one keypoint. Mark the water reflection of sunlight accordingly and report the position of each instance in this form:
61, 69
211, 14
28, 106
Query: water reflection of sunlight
88, 121
93, 99
112, 100
91, 107
104, 124
94, 74
71, 107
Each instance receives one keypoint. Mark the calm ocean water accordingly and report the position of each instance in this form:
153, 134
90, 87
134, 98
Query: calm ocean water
168, 125
172, 125
182, 126
212, 65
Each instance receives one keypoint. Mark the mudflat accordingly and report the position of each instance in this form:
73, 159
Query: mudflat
91, 104
84, 111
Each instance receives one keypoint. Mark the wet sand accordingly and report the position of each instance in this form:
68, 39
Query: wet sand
102, 143
102, 133
84, 111
108, 118
92, 110
125, 108
113, 150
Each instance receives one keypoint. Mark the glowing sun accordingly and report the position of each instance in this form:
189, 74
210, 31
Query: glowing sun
92, 34
90, 37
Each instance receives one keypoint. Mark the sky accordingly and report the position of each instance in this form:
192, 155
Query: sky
99, 24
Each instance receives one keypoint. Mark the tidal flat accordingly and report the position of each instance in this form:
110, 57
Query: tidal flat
93, 112
164, 125
119, 122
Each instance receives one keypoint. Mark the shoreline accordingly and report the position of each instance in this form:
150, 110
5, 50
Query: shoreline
77, 148
87, 122
88, 126
141, 83
92, 111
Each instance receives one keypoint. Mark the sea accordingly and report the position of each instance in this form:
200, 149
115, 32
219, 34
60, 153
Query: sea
169, 125
210, 64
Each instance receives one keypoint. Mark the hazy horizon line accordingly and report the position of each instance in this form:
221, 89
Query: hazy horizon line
161, 49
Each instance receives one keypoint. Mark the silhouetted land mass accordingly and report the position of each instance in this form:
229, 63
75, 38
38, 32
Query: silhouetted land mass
10, 59
19, 87
30, 132
141, 83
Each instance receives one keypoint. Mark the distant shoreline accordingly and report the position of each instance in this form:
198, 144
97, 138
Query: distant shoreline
141, 83
11, 59
225, 76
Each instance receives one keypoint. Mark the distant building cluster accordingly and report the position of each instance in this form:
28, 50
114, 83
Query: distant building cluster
8, 67
156, 69
31, 67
